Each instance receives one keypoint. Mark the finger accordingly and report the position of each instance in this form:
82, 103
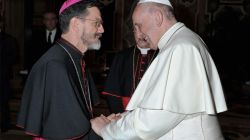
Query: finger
104, 119
118, 114
110, 117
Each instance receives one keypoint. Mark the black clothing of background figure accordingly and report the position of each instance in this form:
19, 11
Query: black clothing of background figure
8, 56
125, 73
40, 43
52, 96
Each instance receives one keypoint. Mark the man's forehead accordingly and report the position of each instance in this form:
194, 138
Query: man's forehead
138, 13
94, 12
139, 9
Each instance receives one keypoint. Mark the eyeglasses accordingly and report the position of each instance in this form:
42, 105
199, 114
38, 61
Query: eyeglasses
97, 23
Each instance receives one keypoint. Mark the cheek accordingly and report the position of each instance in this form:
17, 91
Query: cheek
90, 30
150, 30
81, 33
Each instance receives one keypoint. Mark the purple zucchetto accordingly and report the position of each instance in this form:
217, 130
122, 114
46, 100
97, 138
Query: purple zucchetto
67, 4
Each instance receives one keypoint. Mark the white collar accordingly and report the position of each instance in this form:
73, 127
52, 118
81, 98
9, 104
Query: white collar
52, 32
143, 50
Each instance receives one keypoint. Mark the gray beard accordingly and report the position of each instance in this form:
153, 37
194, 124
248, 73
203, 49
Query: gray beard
95, 46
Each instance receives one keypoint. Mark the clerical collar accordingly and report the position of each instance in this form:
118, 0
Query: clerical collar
143, 50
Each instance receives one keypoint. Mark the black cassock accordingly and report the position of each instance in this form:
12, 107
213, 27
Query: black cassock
125, 74
53, 105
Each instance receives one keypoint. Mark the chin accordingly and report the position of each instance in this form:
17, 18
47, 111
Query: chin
95, 46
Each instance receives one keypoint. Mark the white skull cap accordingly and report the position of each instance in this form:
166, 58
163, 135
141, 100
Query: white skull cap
165, 2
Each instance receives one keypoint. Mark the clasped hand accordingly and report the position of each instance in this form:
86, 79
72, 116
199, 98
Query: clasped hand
99, 122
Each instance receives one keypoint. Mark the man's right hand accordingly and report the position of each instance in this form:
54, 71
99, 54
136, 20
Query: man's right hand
98, 123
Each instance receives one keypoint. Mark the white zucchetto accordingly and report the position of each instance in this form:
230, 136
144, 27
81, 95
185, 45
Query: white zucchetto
165, 2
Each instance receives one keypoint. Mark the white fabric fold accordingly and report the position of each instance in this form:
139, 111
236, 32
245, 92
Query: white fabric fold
178, 96
142, 124
182, 78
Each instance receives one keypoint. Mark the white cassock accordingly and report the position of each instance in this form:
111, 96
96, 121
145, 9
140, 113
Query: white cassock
178, 97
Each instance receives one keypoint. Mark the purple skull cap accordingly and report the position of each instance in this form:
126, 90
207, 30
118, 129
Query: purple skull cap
67, 4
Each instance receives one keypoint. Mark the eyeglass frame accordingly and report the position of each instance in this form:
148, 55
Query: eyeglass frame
98, 23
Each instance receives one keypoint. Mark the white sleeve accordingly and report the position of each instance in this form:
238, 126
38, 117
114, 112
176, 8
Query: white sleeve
142, 124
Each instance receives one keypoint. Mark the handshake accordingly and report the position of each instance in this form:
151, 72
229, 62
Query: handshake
99, 122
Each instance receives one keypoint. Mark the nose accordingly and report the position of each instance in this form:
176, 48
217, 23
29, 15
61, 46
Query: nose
101, 29
139, 35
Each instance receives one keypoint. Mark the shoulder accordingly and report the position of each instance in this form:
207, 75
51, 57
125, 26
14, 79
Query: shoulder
186, 50
54, 53
185, 41
182, 50
187, 37
54, 57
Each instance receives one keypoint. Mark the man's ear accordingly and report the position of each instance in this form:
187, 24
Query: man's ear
74, 24
158, 17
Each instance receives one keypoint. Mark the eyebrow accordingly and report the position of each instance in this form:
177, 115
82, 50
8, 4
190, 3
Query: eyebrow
98, 18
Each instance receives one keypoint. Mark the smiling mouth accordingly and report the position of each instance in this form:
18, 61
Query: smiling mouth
98, 36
